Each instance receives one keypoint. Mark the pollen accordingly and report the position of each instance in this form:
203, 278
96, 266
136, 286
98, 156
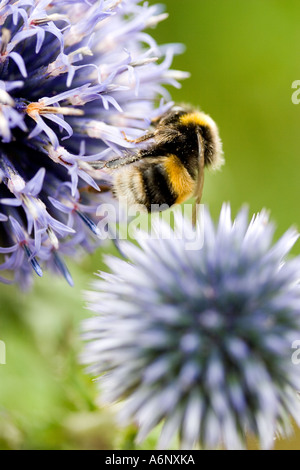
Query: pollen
34, 108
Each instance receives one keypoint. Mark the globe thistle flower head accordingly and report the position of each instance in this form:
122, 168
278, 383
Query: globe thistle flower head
200, 340
74, 75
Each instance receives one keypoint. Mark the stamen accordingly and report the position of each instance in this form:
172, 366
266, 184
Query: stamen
5, 38
144, 62
63, 269
15, 183
46, 19
35, 108
91, 225
156, 19
5, 98
62, 110
37, 268
177, 74
4, 127
53, 238
114, 5
85, 51
34, 205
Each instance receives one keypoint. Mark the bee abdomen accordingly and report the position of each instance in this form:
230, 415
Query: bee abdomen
182, 182
157, 187
129, 186
145, 185
155, 183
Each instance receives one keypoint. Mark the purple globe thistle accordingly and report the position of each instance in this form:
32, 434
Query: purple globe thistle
74, 75
200, 339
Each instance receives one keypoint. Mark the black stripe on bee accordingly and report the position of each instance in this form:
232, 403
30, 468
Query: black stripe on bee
156, 186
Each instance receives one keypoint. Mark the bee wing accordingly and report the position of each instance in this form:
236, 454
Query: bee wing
200, 179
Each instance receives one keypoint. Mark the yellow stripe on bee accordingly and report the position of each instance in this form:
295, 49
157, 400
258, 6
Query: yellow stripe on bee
180, 179
194, 118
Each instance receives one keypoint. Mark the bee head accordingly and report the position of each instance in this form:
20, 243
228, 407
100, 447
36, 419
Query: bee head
170, 117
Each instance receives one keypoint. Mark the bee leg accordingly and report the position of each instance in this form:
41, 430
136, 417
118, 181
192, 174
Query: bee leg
144, 137
120, 161
156, 119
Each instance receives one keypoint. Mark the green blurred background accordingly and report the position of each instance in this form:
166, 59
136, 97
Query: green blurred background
243, 57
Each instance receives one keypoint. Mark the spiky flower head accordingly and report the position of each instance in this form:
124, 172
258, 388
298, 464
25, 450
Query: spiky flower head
74, 75
200, 339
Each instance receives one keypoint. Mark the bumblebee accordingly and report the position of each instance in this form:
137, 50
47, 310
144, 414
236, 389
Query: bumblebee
170, 169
